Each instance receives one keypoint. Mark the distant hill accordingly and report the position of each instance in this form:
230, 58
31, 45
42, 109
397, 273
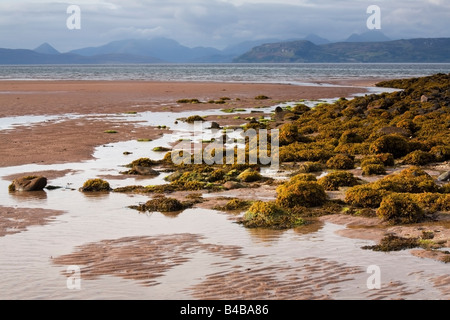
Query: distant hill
369, 36
28, 57
316, 39
161, 48
45, 48
413, 51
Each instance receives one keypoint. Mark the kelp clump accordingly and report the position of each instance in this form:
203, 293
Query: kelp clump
250, 175
95, 185
162, 204
300, 193
365, 196
234, 205
400, 209
341, 162
335, 180
270, 215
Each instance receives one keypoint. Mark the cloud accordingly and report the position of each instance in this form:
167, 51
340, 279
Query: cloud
26, 23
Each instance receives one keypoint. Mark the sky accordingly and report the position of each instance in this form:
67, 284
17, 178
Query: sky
217, 23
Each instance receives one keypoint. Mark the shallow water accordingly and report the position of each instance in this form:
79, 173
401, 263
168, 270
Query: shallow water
310, 253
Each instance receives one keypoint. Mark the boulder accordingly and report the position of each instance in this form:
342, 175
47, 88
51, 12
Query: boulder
28, 184
145, 171
279, 110
232, 185
444, 177
395, 130
215, 125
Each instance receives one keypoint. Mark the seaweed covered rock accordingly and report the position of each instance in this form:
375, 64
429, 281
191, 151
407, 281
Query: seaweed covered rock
270, 215
399, 208
365, 196
394, 144
250, 175
411, 180
95, 185
29, 183
309, 167
350, 136
162, 204
373, 169
335, 180
418, 158
303, 177
432, 202
440, 153
394, 243
193, 119
341, 162
301, 193
289, 133
142, 162
234, 205
445, 188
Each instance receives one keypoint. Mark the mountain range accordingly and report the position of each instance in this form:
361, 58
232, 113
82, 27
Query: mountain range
372, 46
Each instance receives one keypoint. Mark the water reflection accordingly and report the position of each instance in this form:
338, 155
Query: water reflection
29, 196
267, 236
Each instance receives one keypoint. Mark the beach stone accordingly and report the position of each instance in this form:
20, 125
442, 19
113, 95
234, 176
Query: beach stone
279, 110
424, 99
395, 130
232, 185
145, 171
215, 125
444, 177
29, 184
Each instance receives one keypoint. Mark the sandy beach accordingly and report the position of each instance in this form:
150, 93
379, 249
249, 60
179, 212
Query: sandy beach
74, 140
90, 108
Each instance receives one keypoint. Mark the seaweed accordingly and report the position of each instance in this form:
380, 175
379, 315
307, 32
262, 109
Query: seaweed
335, 180
399, 208
300, 193
394, 243
95, 185
270, 215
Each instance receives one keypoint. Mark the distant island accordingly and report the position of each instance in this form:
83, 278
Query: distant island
399, 51
365, 48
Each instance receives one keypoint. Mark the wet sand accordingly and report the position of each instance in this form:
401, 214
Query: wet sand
17, 220
73, 140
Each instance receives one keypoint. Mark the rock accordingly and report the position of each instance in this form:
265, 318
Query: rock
28, 184
232, 185
279, 110
145, 171
215, 125
424, 99
395, 130
444, 177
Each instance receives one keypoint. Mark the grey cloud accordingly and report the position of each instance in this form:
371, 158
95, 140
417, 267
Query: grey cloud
214, 22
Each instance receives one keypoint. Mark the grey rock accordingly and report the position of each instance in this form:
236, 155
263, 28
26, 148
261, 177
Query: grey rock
145, 171
444, 177
232, 185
